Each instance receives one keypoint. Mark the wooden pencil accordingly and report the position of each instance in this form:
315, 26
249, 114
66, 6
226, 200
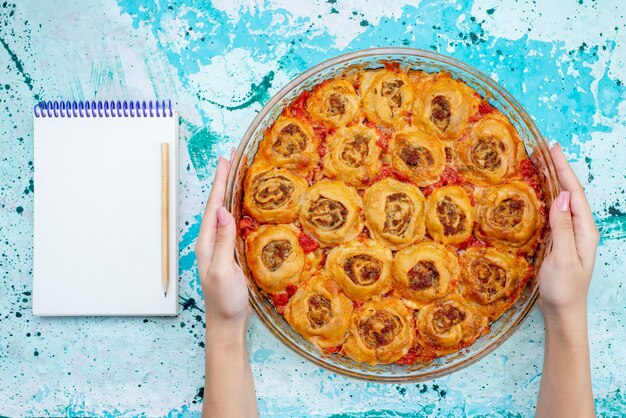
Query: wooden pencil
165, 215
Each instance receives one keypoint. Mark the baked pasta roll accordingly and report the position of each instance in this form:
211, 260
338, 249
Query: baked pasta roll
353, 154
444, 106
490, 277
387, 97
449, 324
509, 217
342, 240
394, 213
449, 215
363, 269
425, 271
320, 312
272, 195
334, 103
275, 257
490, 152
331, 212
419, 156
381, 332
290, 143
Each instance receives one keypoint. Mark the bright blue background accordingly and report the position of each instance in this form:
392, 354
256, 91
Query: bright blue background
563, 60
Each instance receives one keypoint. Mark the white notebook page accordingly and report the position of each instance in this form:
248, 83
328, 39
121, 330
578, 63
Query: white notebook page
97, 237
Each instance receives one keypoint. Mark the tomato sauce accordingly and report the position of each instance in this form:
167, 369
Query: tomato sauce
384, 136
307, 243
449, 177
393, 66
298, 107
530, 273
471, 198
527, 168
383, 173
530, 250
247, 225
534, 183
280, 300
428, 190
321, 85
324, 257
383, 143
409, 359
332, 350
291, 290
529, 174
400, 177
322, 150
387, 171
484, 108
472, 241
322, 131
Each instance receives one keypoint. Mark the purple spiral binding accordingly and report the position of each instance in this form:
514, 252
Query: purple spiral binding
103, 109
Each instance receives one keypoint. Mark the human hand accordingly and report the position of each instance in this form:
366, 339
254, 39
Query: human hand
565, 274
228, 387
223, 283
564, 280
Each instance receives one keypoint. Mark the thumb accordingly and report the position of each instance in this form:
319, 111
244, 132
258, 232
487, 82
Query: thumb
563, 241
225, 238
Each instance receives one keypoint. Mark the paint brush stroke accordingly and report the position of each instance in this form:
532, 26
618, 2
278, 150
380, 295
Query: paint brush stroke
612, 228
257, 94
19, 66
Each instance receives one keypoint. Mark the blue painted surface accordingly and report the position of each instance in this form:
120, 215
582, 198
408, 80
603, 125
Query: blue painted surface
564, 61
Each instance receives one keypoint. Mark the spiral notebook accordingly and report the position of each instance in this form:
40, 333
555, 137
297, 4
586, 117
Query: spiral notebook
105, 232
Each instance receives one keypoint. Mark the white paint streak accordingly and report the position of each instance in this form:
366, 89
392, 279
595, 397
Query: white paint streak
343, 25
593, 23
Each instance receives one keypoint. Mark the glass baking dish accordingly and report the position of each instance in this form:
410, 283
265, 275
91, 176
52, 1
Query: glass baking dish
536, 147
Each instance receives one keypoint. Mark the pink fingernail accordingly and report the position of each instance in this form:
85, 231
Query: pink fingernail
222, 216
562, 202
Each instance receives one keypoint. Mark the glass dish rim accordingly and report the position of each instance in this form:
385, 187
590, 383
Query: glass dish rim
345, 58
